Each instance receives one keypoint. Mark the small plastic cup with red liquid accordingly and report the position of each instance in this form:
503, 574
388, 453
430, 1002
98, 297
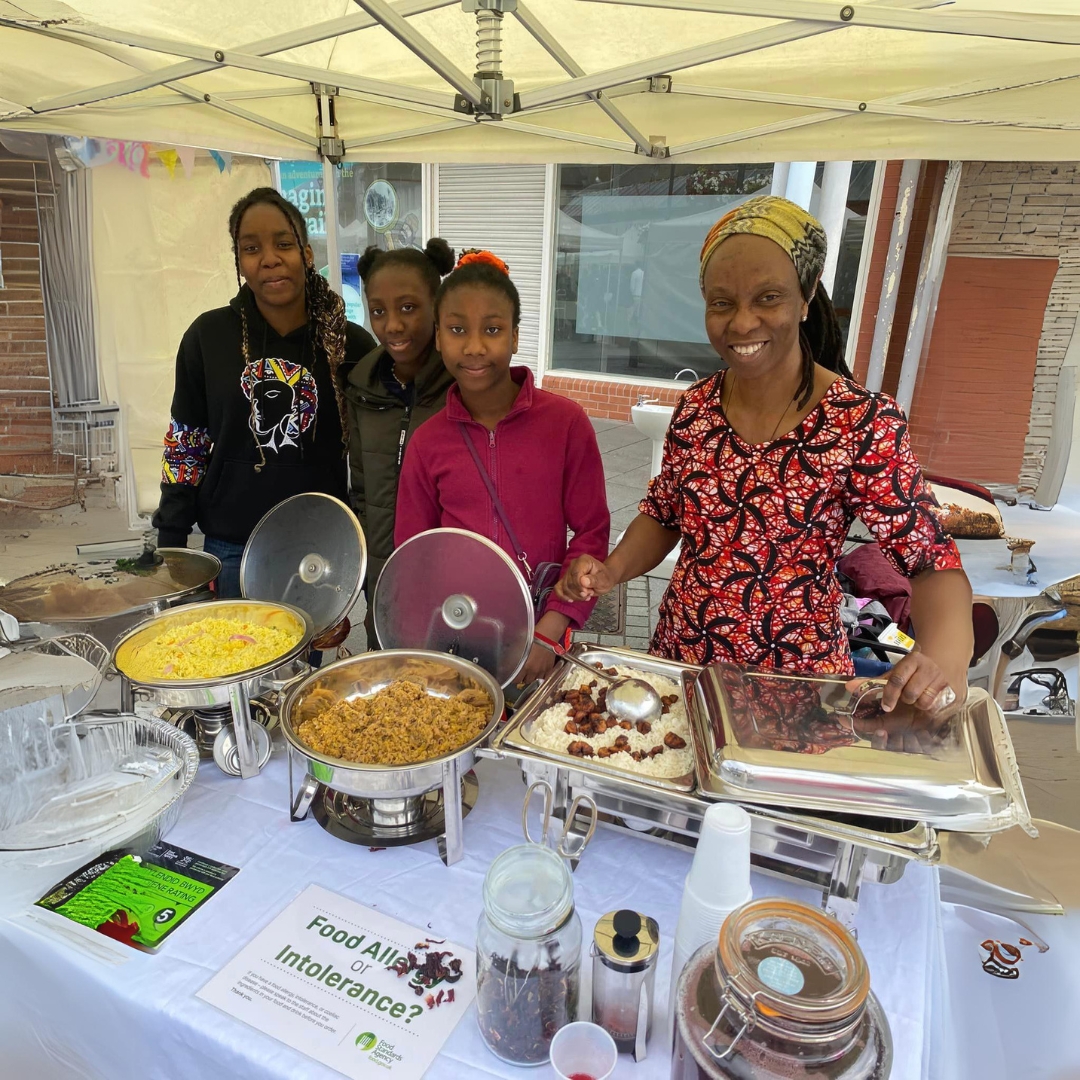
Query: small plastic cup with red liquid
583, 1051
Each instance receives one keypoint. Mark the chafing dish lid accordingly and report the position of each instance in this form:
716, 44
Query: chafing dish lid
825, 744
70, 666
1011, 871
309, 552
448, 590
83, 591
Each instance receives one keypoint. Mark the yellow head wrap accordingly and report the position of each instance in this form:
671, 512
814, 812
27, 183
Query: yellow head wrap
785, 223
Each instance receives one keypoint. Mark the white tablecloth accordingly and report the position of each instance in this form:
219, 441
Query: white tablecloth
1014, 1029
67, 1016
1056, 553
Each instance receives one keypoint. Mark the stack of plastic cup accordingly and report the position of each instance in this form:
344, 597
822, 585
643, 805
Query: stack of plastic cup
718, 883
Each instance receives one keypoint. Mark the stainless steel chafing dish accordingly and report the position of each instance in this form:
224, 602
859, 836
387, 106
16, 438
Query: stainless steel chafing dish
519, 736
824, 744
831, 838
102, 599
303, 568
386, 805
230, 694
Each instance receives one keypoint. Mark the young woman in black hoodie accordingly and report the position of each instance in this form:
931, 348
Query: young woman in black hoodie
258, 411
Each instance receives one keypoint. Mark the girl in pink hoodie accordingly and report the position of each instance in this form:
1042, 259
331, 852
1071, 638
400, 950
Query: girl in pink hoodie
539, 449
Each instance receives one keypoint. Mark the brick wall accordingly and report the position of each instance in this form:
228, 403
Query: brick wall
25, 394
969, 413
1029, 209
609, 400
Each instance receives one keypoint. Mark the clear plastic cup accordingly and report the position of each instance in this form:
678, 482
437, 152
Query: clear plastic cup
720, 872
583, 1051
703, 918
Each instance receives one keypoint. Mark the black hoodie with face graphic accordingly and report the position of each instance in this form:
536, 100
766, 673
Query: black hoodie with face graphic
244, 437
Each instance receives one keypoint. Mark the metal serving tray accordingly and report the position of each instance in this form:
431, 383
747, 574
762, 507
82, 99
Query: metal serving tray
516, 736
834, 853
823, 744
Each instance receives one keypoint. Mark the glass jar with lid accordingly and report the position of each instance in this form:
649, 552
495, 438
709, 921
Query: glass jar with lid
528, 954
784, 994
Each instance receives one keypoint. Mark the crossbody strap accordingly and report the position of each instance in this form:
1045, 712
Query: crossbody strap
499, 509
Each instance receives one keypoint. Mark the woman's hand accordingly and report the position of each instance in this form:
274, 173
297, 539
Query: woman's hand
538, 666
552, 625
643, 546
941, 617
918, 680
586, 579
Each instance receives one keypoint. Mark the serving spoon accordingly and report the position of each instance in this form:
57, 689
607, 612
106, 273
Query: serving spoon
627, 698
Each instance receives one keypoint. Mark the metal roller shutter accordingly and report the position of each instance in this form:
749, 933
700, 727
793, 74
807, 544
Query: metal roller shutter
501, 208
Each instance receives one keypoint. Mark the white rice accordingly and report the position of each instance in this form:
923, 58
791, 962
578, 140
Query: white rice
548, 729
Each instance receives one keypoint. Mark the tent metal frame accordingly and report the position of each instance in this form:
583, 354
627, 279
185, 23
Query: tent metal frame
463, 103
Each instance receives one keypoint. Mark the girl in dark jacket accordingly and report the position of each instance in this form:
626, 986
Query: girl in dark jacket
395, 388
258, 412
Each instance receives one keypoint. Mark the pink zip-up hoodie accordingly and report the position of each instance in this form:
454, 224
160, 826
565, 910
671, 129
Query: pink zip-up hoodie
544, 462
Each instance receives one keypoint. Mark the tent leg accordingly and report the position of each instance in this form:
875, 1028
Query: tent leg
333, 251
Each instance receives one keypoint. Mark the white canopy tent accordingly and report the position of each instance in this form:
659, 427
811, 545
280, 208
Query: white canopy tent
553, 80
531, 81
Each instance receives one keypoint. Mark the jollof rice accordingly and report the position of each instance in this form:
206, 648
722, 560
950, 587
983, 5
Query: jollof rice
400, 725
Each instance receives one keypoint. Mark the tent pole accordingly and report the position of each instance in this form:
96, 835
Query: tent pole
419, 45
754, 41
571, 67
858, 303
330, 215
987, 24
832, 211
894, 267
929, 287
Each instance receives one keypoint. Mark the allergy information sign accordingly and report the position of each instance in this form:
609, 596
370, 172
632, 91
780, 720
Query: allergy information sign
355, 990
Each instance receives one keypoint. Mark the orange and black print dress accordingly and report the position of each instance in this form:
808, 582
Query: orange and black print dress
763, 526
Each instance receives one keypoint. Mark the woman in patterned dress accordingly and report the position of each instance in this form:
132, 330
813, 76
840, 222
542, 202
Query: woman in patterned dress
765, 467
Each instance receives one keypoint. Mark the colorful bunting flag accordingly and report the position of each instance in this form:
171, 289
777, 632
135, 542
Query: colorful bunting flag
187, 159
223, 159
168, 158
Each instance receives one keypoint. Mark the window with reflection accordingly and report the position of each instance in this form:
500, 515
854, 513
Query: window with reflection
627, 301
377, 204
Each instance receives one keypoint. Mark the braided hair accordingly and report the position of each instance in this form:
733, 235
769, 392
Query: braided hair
821, 341
435, 261
325, 309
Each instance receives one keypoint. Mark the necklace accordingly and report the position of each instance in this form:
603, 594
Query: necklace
730, 398
397, 378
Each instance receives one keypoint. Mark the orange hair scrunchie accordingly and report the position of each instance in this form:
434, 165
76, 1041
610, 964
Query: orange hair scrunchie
472, 256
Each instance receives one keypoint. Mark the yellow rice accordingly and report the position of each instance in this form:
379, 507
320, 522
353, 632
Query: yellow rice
208, 649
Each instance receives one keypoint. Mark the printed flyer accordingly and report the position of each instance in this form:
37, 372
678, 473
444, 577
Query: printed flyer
139, 900
353, 989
